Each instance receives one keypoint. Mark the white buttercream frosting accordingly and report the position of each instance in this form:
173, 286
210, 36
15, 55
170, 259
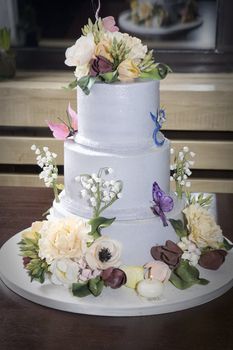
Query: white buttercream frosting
117, 116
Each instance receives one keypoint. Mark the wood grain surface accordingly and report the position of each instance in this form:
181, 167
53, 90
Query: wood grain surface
25, 325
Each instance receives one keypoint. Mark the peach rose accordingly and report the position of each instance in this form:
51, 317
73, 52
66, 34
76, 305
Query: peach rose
128, 70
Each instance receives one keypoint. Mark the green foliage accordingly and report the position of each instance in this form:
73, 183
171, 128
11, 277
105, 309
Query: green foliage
201, 199
147, 64
5, 39
85, 83
226, 244
94, 286
185, 276
97, 224
119, 52
179, 228
158, 72
96, 29
109, 77
36, 267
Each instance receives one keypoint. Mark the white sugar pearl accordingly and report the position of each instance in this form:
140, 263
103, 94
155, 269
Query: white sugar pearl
150, 289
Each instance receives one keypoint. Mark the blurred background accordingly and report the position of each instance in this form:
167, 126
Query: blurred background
187, 34
194, 37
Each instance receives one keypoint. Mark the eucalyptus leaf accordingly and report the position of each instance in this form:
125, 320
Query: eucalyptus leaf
185, 276
80, 290
179, 228
96, 286
97, 224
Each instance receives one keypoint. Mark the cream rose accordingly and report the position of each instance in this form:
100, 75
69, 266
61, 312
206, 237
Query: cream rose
202, 227
128, 70
63, 238
103, 253
81, 52
64, 271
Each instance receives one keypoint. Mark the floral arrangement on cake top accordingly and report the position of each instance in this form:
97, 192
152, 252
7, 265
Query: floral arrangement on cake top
104, 53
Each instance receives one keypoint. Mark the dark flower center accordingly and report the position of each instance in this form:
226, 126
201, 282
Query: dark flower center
104, 254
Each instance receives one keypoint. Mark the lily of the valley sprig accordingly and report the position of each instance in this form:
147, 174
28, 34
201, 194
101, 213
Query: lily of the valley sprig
62, 131
46, 161
180, 168
103, 53
100, 192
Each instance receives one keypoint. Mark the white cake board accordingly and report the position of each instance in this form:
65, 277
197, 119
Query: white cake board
119, 302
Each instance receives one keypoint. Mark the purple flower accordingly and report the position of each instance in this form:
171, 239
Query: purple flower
113, 277
162, 203
100, 65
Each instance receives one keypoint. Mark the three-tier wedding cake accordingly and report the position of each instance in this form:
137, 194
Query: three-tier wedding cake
116, 222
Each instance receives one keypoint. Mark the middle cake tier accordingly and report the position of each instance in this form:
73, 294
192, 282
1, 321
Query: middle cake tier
137, 170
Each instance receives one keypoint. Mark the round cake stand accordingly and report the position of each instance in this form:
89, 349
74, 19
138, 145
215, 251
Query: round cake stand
118, 302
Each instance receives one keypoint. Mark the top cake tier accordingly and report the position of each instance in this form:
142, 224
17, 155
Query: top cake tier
117, 116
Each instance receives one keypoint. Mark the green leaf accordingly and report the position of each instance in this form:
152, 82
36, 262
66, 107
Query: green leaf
96, 286
97, 224
85, 83
80, 290
185, 276
179, 228
158, 72
226, 244
109, 77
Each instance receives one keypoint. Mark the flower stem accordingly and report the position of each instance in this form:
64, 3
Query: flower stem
55, 191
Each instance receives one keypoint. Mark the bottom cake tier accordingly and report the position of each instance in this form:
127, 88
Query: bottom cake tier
136, 236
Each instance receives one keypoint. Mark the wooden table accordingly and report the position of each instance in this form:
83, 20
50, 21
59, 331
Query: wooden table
25, 325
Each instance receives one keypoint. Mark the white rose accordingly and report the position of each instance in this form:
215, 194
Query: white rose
63, 238
202, 227
81, 52
64, 271
82, 71
103, 253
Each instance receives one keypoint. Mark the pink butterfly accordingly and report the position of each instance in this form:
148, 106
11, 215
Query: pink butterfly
109, 24
63, 130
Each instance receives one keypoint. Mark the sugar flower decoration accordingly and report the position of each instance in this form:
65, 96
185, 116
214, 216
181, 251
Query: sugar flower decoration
62, 131
203, 230
63, 238
98, 191
105, 54
104, 253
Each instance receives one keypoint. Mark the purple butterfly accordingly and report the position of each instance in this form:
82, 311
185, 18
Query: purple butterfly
162, 203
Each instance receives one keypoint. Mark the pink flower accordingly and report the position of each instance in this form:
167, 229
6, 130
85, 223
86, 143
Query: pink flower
109, 24
63, 130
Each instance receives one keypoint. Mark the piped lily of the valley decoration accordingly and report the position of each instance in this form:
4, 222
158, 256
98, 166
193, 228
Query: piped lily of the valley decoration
105, 54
